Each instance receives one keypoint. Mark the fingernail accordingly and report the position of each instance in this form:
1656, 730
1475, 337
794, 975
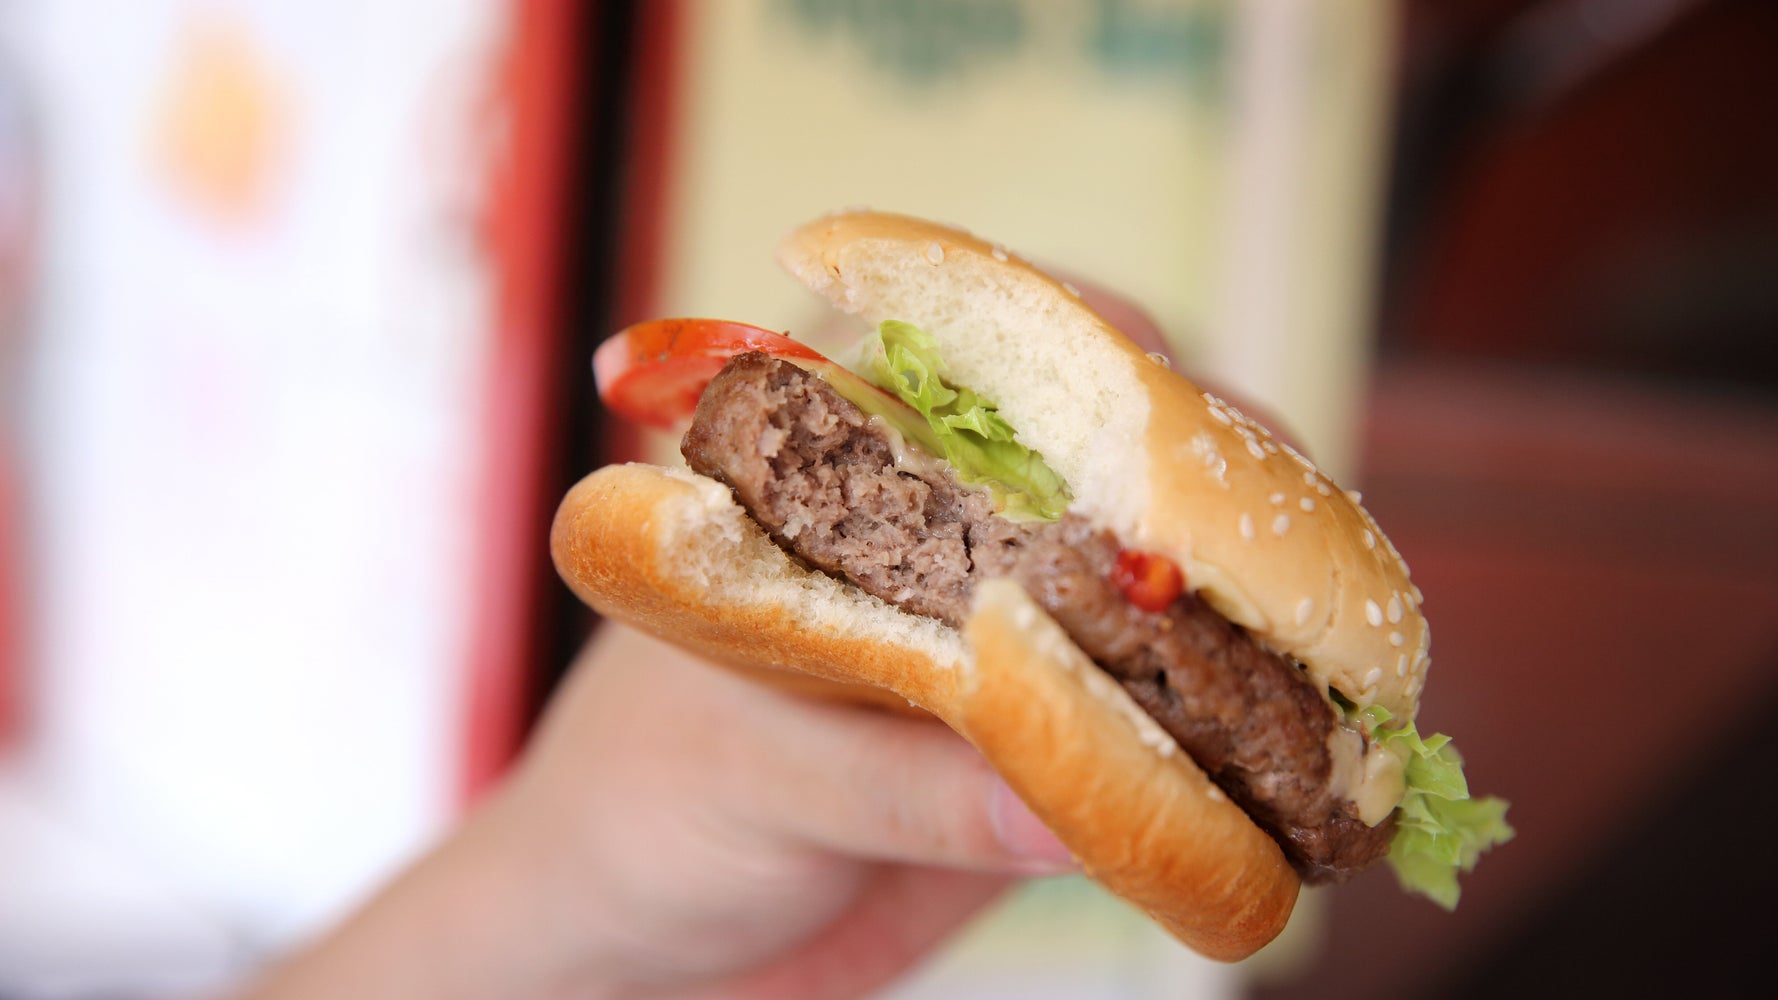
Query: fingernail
1025, 836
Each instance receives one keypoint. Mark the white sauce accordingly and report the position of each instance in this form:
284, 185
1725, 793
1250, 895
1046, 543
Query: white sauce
1372, 781
908, 458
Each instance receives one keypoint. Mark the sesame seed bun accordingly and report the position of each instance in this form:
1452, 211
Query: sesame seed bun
1263, 536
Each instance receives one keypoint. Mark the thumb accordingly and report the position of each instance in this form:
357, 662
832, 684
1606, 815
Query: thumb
904, 790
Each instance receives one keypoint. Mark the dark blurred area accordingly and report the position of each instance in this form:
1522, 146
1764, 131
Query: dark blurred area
1588, 185
1573, 436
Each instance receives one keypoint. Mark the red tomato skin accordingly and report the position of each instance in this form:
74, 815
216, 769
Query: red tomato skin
1148, 580
654, 372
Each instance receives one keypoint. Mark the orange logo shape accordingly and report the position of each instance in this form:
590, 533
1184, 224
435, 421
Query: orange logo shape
220, 129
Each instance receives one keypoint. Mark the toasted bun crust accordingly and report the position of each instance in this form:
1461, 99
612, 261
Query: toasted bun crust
1137, 812
673, 554
1262, 535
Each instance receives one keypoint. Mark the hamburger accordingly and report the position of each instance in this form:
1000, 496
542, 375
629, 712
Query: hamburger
1192, 654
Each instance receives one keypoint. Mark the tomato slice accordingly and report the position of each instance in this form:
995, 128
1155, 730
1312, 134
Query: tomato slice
1149, 580
654, 372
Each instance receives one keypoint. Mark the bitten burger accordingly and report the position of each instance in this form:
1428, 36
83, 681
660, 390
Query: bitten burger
1195, 657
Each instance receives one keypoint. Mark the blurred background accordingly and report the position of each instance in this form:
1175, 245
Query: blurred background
296, 305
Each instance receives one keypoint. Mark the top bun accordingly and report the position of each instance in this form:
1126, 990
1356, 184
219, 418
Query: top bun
1261, 534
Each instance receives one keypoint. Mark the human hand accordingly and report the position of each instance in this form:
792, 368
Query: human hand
675, 830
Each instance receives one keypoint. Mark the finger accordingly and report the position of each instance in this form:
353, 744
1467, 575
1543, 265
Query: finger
892, 789
781, 770
902, 915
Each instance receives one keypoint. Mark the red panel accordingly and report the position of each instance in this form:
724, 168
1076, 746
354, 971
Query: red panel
1570, 226
525, 235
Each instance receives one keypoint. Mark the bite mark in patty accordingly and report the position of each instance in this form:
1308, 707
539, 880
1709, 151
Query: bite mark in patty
822, 479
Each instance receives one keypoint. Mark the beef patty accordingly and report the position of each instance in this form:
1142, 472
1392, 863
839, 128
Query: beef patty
836, 489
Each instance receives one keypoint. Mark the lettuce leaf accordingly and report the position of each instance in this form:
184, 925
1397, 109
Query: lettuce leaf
1439, 829
972, 435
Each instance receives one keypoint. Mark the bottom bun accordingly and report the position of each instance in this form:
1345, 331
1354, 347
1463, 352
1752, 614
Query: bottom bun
672, 554
1141, 817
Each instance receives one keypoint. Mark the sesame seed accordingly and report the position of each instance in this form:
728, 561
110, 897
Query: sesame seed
1024, 616
1414, 589
1355, 496
1401, 665
1307, 504
1322, 489
1277, 499
1214, 464
1397, 639
1309, 479
1220, 415
999, 252
1280, 525
1271, 449
1070, 289
1394, 608
1159, 359
1247, 526
1371, 679
935, 253
1214, 793
1254, 449
1370, 539
1304, 609
1373, 613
